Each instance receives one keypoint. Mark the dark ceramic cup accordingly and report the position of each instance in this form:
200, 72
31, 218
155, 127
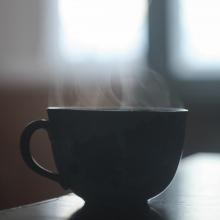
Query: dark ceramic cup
109, 155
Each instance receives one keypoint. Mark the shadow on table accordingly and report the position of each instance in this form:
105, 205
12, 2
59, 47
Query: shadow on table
117, 212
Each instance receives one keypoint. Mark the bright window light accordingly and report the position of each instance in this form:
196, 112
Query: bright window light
201, 21
102, 29
196, 53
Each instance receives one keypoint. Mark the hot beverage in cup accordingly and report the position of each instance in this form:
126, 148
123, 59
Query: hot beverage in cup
111, 155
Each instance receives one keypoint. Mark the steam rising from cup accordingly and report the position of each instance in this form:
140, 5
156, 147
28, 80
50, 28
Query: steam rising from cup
104, 46
141, 89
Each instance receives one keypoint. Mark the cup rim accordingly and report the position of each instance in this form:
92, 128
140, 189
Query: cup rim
120, 109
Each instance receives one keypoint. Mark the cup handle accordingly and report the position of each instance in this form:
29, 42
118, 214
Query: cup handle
26, 154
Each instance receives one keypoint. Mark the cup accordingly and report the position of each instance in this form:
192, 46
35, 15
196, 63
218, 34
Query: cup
111, 156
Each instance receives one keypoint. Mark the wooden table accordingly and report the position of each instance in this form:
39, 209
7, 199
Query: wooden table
194, 194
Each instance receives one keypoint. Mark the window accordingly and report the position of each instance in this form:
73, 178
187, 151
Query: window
197, 82
102, 30
42, 38
194, 39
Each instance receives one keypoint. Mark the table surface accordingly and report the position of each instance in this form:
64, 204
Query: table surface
194, 194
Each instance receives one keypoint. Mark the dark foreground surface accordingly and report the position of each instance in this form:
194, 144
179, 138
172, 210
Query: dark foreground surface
194, 194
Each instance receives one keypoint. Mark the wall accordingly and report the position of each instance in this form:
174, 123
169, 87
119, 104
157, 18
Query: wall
18, 184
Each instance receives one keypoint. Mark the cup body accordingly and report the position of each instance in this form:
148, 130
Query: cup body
117, 155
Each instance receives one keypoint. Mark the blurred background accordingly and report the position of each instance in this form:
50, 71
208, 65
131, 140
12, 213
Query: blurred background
100, 53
